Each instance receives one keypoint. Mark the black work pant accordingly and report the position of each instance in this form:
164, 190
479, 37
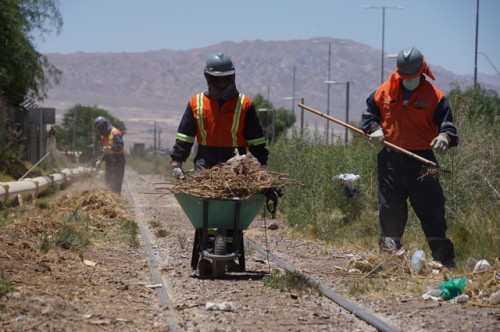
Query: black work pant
397, 181
115, 169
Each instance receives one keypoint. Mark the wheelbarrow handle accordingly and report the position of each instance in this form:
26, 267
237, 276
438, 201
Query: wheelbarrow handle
359, 131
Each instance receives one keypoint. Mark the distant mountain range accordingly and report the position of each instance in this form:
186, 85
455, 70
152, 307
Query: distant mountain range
143, 88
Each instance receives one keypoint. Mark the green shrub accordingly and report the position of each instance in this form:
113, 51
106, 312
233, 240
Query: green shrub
291, 281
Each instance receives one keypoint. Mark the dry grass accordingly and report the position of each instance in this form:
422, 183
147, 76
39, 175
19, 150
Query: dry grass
240, 176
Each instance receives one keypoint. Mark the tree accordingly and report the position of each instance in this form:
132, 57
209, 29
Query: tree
284, 117
77, 132
25, 74
486, 102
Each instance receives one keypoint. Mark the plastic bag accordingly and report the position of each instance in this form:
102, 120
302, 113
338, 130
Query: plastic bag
350, 183
417, 261
453, 288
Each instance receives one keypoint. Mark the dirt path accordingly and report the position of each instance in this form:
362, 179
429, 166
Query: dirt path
59, 291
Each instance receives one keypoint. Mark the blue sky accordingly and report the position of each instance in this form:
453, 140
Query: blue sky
444, 30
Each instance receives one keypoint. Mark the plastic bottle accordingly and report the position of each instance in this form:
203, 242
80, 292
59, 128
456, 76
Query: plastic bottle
417, 261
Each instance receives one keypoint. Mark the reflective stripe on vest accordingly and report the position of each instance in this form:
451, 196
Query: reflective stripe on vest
257, 141
199, 112
185, 138
236, 119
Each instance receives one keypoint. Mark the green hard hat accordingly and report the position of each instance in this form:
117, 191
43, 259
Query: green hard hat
219, 64
409, 61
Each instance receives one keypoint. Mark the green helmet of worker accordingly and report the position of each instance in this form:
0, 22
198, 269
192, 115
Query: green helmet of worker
409, 61
219, 64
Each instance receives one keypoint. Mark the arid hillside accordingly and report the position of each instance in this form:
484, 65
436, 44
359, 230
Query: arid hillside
141, 88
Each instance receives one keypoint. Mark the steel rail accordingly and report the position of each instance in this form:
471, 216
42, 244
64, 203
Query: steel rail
351, 307
165, 300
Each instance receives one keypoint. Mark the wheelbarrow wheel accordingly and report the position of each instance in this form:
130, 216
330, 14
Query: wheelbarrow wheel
241, 257
220, 242
220, 248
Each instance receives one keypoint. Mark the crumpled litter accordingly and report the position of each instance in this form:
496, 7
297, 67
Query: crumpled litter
453, 288
349, 180
224, 306
433, 294
482, 265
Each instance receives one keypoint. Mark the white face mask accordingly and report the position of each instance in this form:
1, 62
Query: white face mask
411, 84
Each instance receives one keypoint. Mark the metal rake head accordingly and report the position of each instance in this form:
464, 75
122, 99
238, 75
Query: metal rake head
434, 172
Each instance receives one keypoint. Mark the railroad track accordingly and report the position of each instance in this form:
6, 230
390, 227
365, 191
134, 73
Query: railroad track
166, 301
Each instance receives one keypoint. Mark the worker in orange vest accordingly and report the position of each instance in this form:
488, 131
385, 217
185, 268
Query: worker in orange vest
113, 153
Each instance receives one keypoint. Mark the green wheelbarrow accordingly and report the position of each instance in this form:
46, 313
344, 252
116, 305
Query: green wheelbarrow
219, 225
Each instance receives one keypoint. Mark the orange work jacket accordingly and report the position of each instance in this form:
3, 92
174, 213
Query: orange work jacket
411, 127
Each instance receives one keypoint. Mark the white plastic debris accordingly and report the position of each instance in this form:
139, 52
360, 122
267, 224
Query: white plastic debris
354, 271
89, 263
349, 180
495, 298
224, 306
433, 294
470, 264
482, 265
462, 298
417, 261
153, 286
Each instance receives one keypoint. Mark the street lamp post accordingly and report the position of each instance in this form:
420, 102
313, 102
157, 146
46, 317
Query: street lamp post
491, 63
267, 121
328, 85
74, 132
347, 85
383, 32
301, 112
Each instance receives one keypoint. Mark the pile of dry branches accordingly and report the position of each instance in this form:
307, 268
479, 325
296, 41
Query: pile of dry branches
240, 176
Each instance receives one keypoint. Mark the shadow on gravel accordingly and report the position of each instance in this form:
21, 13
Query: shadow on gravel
247, 275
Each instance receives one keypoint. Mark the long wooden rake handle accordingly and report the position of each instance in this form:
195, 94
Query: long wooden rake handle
359, 131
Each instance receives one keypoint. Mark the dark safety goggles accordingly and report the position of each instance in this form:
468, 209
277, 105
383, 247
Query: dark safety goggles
221, 80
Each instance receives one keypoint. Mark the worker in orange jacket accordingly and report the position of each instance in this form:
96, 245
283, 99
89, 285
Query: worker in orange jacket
221, 119
113, 153
409, 111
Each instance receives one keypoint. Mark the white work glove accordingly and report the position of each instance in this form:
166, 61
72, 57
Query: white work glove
377, 137
440, 143
106, 148
177, 171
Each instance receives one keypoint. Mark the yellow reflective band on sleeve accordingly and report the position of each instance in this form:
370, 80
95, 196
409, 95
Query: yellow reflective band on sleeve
257, 141
185, 138
236, 119
199, 112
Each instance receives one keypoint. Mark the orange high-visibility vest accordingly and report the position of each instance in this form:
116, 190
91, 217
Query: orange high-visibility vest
220, 126
109, 141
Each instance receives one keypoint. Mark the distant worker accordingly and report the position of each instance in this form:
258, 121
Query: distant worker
221, 119
409, 111
113, 153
